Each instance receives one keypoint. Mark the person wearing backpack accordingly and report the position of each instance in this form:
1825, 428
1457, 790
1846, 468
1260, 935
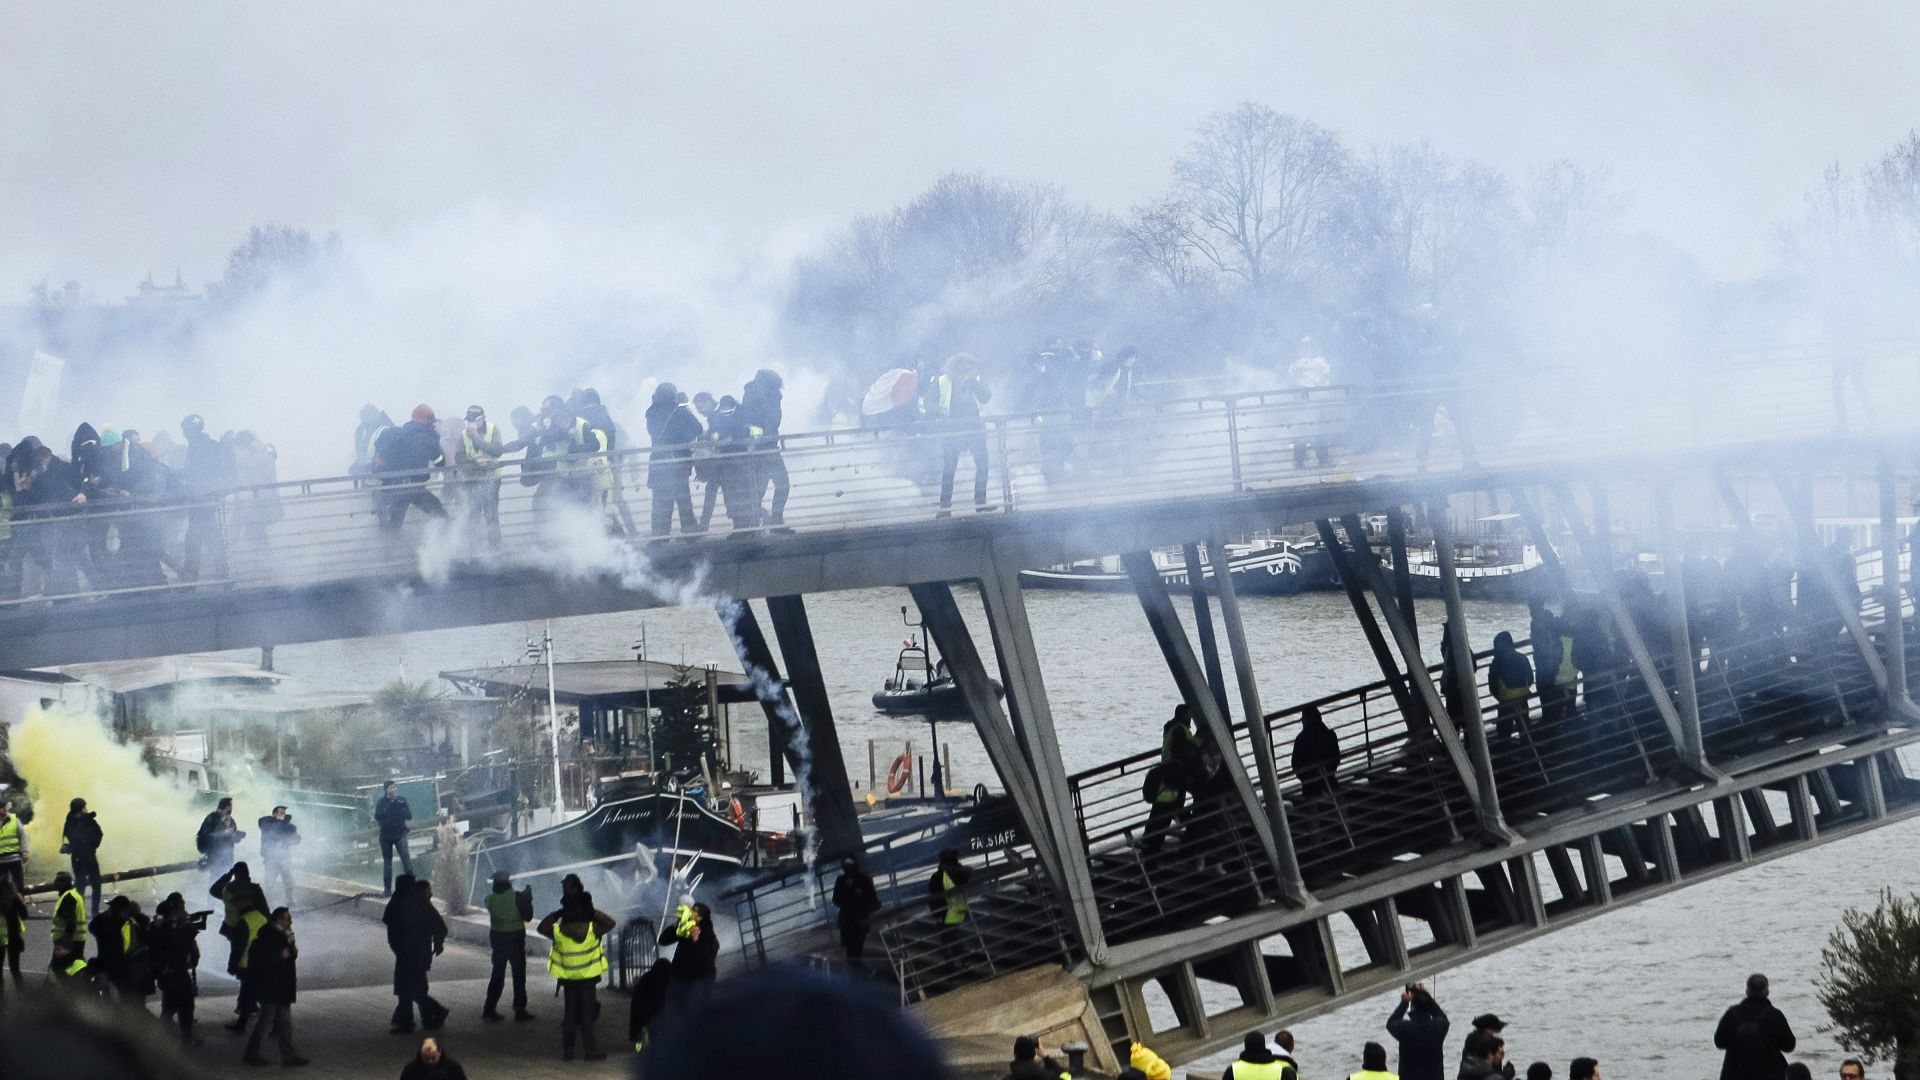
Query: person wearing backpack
1755, 1036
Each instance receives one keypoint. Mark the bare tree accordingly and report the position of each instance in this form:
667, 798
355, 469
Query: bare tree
1261, 187
1892, 199
1158, 240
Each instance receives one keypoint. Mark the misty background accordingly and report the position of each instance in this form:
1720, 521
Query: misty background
487, 202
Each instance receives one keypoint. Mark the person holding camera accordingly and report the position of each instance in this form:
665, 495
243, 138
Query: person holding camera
173, 948
1419, 1025
217, 838
278, 837
80, 840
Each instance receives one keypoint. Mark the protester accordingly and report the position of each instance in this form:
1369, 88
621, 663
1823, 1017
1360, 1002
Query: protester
80, 837
392, 813
508, 913
1316, 752
272, 961
13, 918
1539, 1070
1509, 680
1484, 1025
278, 837
121, 954
695, 957
760, 409
403, 457
217, 838
855, 899
431, 1063
1282, 1044
674, 431
1373, 1064
1755, 1036
1583, 1068
1851, 1069
1419, 1025
958, 397
13, 846
577, 960
254, 917
174, 949
1258, 1062
415, 934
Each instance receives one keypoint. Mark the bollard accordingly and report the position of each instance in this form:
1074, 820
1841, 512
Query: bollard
1076, 1058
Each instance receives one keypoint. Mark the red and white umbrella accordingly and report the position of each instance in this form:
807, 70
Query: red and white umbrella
889, 392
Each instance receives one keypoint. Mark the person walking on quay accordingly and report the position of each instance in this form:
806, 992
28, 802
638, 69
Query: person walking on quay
69, 924
392, 814
1755, 1036
1419, 1025
278, 837
174, 951
1258, 1062
13, 846
416, 934
432, 1063
273, 961
696, 957
80, 838
1373, 1064
947, 902
217, 838
508, 913
856, 900
577, 961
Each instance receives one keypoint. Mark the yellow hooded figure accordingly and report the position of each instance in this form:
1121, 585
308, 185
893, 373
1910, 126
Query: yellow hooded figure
1150, 1063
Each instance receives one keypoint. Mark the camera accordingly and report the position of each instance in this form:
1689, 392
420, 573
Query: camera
199, 919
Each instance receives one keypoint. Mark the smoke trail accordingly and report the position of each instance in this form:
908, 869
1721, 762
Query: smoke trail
768, 689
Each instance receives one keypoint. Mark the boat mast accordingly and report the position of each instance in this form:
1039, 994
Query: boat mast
553, 722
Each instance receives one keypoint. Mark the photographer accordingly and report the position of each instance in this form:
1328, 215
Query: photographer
1419, 1025
217, 838
80, 839
174, 950
278, 837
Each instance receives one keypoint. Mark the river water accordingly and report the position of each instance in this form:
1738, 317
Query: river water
1639, 988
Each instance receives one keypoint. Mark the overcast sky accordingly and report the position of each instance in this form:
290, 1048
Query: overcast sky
141, 135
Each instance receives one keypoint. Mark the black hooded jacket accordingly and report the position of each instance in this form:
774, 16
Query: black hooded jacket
760, 405
1756, 1038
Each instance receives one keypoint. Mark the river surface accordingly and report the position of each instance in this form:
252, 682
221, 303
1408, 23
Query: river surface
1639, 988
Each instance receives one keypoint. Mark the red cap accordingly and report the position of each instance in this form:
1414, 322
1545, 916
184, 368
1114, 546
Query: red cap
423, 413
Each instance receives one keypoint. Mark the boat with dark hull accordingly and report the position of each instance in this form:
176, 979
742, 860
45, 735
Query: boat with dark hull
922, 686
1270, 567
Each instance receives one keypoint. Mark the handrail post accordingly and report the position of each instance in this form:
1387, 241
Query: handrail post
1233, 444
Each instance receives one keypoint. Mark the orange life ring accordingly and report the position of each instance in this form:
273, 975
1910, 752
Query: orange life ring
739, 814
900, 774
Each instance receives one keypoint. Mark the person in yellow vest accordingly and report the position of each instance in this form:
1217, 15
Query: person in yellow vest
69, 961
1149, 1065
947, 903
577, 960
957, 398
253, 917
1510, 681
13, 846
120, 950
1373, 1064
1258, 1062
477, 464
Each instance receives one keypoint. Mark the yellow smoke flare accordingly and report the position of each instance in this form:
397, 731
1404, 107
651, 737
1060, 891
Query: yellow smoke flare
148, 820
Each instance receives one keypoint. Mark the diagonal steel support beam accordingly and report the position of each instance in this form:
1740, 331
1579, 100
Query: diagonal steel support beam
1542, 543
1412, 710
1894, 629
751, 646
1194, 690
1293, 887
1592, 551
1845, 594
1368, 568
1203, 621
1686, 662
832, 793
1043, 802
1462, 663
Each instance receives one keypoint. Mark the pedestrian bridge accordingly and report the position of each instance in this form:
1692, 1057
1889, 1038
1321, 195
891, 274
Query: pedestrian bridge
1710, 728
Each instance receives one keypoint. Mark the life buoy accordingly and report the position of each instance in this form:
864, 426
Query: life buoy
900, 774
739, 814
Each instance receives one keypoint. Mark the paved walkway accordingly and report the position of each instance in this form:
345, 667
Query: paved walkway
345, 1004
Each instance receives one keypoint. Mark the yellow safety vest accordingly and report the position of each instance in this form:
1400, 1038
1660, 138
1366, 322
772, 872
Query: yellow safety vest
79, 935
1567, 673
10, 837
254, 921
72, 970
5, 925
574, 961
474, 453
126, 937
1256, 1070
956, 901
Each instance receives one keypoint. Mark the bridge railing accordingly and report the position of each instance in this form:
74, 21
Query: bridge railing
553, 512
1012, 922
